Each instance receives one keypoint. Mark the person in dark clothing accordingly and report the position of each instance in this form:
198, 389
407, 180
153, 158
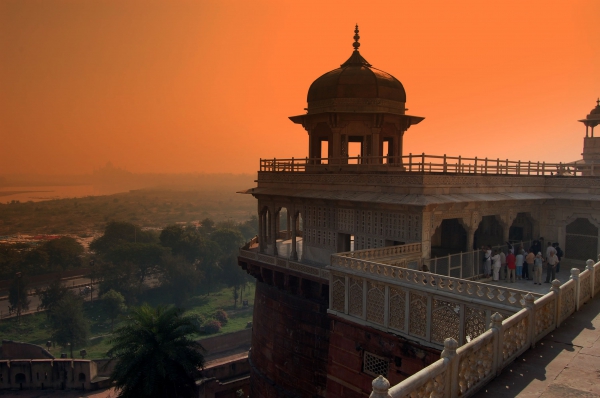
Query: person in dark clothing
559, 254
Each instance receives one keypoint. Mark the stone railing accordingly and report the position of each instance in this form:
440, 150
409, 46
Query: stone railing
285, 263
418, 305
426, 281
461, 372
387, 251
422, 163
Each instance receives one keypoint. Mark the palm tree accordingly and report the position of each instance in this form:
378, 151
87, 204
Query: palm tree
155, 356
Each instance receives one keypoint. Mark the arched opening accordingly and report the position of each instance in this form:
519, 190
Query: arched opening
581, 242
81, 376
489, 232
521, 229
449, 238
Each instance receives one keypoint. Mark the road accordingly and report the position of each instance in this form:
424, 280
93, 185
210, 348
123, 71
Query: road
76, 283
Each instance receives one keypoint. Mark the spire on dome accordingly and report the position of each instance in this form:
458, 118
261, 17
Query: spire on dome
356, 44
356, 59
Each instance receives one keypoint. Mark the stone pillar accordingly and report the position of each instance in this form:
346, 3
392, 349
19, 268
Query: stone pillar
273, 226
288, 224
375, 147
261, 234
294, 255
336, 145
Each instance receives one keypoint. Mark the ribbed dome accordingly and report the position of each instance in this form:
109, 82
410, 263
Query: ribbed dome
356, 79
356, 87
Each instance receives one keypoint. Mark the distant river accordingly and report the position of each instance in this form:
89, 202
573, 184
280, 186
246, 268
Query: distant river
50, 192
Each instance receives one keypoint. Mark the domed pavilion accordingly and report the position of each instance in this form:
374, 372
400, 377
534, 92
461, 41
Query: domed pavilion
359, 106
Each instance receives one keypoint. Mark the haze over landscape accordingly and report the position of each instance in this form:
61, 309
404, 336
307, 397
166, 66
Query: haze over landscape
207, 86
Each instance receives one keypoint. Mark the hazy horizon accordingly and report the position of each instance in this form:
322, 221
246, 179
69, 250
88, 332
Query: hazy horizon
172, 87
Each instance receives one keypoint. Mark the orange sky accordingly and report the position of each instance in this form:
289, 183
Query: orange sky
207, 86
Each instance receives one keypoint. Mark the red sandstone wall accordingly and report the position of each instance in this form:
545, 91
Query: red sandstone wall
347, 344
225, 342
290, 338
17, 350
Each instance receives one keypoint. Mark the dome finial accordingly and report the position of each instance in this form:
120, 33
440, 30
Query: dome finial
598, 102
356, 44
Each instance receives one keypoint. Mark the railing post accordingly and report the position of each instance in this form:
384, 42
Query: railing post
589, 265
575, 276
498, 166
496, 325
293, 164
459, 170
410, 161
451, 382
556, 289
538, 169
475, 166
445, 164
506, 166
529, 167
423, 162
518, 168
486, 166
381, 388
543, 168
529, 304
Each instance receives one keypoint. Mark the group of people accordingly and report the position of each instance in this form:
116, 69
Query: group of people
501, 265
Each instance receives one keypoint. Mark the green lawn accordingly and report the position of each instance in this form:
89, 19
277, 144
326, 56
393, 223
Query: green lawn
34, 328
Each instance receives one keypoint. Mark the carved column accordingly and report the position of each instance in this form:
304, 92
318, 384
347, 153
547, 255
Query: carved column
261, 232
336, 144
273, 229
294, 255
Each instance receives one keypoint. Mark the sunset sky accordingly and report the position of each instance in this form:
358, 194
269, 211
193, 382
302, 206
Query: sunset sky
207, 86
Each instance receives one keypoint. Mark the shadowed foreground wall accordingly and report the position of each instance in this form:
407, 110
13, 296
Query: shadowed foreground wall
290, 341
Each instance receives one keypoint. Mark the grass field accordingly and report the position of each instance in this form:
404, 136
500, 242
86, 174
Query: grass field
34, 328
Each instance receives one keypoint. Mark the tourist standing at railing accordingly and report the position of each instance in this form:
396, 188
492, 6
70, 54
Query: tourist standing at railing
487, 262
559, 254
496, 265
519, 263
551, 267
511, 266
538, 264
503, 271
549, 250
525, 273
529, 261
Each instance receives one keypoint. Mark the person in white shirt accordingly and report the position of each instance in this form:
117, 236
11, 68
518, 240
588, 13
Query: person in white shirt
496, 265
503, 270
487, 262
551, 267
549, 250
